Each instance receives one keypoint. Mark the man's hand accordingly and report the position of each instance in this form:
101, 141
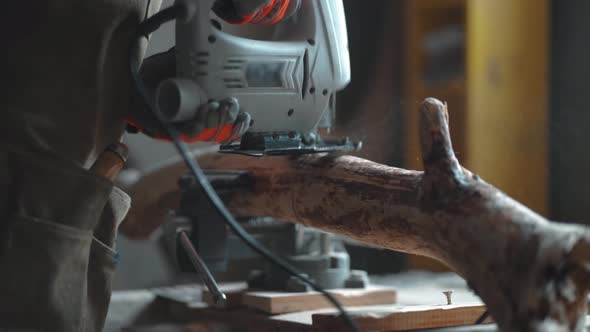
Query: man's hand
217, 121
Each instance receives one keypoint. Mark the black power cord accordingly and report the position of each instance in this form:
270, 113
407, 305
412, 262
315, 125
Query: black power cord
147, 27
483, 317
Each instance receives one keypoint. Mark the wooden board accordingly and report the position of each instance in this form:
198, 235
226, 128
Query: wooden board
403, 318
369, 318
278, 302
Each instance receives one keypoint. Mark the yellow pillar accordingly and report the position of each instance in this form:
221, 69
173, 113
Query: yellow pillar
507, 103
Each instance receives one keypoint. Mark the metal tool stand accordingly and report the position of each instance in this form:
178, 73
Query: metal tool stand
317, 254
200, 232
203, 242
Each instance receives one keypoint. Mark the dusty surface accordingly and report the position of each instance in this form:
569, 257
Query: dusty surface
415, 288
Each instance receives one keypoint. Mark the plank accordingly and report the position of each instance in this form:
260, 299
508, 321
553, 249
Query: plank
184, 303
402, 318
279, 302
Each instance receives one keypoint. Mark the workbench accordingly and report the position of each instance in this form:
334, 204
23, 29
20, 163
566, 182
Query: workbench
141, 311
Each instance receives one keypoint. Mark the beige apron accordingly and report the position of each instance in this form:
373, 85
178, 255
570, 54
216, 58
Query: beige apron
65, 92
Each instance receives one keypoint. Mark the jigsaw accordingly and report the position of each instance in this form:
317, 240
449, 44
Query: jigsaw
288, 84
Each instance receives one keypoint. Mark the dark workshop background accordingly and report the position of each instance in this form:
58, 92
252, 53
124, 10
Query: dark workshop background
570, 112
515, 75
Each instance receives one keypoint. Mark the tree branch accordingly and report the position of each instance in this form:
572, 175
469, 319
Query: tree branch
531, 273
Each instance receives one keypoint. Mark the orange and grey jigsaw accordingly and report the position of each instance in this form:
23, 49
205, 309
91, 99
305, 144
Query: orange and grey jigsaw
288, 84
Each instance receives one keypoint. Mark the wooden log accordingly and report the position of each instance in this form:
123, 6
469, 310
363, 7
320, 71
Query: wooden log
533, 274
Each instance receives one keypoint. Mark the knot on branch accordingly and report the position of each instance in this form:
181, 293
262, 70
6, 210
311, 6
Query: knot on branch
442, 172
580, 256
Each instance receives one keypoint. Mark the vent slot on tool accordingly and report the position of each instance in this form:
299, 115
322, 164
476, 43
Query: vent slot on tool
305, 75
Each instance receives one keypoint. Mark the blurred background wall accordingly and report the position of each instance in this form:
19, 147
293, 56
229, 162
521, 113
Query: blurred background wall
514, 74
570, 114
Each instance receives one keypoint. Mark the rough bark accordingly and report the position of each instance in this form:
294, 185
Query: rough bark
533, 274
